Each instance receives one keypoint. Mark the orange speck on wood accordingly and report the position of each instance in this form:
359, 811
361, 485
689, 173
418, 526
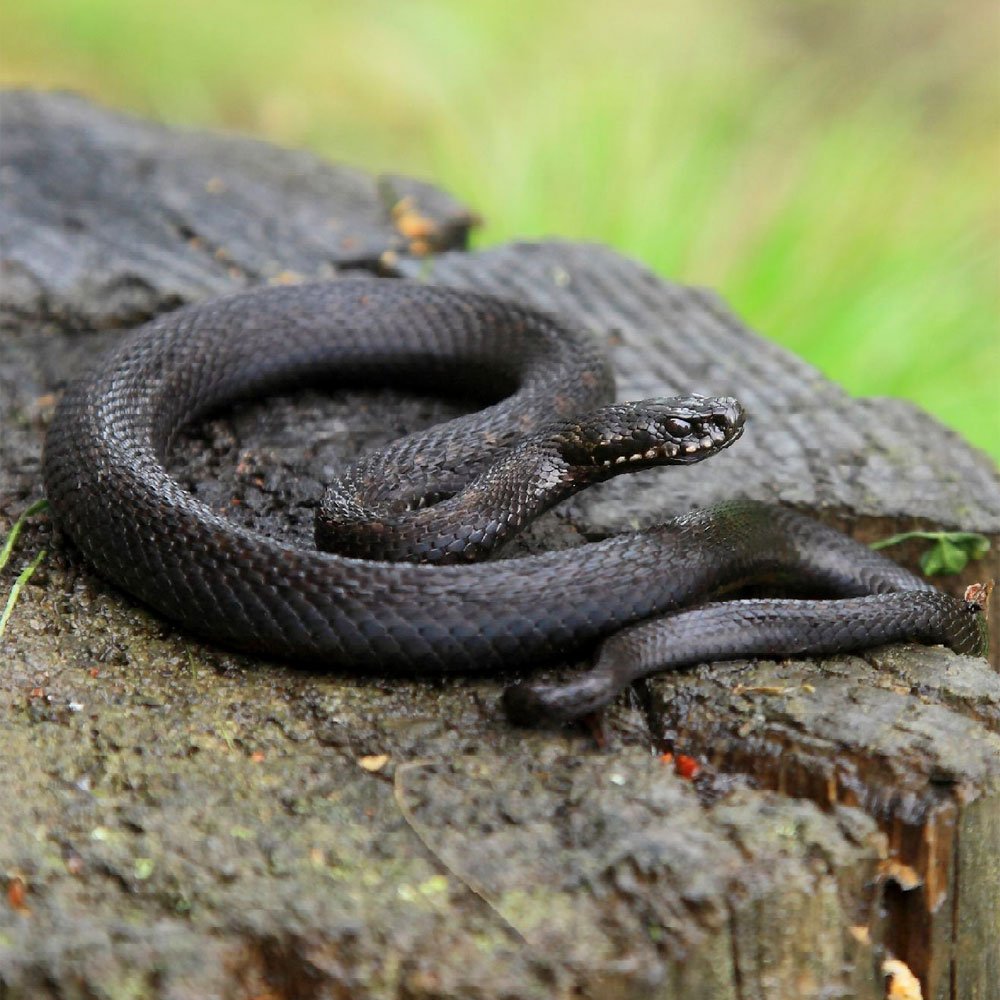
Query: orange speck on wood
416, 227
903, 984
373, 762
17, 894
685, 766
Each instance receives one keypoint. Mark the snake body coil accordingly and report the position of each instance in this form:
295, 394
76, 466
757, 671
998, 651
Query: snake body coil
550, 430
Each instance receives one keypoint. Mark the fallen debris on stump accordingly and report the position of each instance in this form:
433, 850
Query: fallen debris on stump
184, 822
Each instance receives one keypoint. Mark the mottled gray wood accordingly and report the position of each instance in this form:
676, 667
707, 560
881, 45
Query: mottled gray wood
873, 467
808, 443
187, 823
108, 219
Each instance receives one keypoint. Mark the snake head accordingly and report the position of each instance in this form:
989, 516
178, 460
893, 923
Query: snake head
679, 430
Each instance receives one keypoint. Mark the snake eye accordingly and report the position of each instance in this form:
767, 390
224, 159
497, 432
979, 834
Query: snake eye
679, 428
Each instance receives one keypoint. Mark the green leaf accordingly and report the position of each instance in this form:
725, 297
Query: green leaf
943, 557
950, 553
976, 546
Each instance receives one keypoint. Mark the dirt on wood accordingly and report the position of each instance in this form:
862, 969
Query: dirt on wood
183, 822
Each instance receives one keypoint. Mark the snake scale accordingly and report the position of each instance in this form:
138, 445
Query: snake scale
411, 587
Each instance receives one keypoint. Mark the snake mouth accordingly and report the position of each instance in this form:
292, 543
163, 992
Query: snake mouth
679, 430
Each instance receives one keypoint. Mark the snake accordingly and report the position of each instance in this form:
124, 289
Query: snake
409, 573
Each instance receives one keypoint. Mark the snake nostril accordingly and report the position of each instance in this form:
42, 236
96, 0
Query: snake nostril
729, 420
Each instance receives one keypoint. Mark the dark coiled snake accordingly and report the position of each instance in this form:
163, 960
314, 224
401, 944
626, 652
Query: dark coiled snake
446, 497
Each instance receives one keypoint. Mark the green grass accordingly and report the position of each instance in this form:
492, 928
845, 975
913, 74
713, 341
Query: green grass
830, 167
7, 549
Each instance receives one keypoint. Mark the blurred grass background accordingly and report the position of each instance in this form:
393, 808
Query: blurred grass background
830, 166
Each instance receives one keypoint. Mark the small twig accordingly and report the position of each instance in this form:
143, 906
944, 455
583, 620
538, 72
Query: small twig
475, 887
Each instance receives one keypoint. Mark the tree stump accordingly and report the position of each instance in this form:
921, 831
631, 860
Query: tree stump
184, 822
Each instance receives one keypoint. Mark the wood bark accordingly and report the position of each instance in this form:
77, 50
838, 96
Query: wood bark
183, 822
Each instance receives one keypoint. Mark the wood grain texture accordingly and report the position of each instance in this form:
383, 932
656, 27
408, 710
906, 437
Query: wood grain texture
872, 467
109, 219
182, 822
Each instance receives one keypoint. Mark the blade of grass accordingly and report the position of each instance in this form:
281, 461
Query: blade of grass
12, 536
5, 553
22, 578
